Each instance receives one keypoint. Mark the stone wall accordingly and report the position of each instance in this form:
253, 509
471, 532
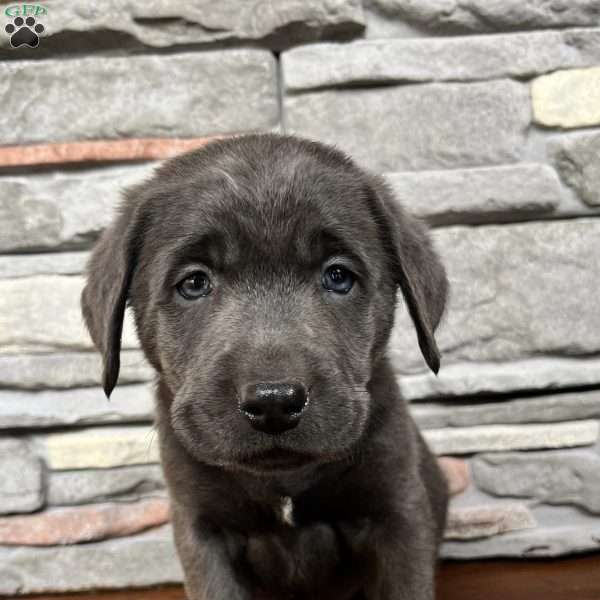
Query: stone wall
485, 117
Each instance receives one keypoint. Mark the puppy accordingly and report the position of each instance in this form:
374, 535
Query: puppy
262, 272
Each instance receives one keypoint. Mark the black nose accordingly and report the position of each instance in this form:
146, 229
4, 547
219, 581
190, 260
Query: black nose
274, 407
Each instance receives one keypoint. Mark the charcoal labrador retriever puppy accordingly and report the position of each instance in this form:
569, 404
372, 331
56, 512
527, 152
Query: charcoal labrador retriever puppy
262, 272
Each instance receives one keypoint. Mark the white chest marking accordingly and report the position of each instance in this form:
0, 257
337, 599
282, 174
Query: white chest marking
286, 511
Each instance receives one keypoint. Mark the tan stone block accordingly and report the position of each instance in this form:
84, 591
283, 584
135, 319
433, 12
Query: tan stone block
567, 99
101, 447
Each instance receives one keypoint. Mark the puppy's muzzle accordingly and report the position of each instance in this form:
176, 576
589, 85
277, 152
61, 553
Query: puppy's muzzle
274, 407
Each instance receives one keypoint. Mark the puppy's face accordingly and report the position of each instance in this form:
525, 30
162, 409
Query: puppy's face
262, 263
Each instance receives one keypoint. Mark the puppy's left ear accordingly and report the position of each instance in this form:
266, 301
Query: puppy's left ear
417, 268
104, 297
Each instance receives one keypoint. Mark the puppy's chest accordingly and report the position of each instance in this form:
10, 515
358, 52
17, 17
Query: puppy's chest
296, 555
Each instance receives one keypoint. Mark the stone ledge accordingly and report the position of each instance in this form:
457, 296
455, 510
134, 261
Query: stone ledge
203, 91
65, 371
517, 55
84, 406
483, 15
112, 24
481, 378
495, 438
55, 263
482, 195
485, 411
68, 488
417, 127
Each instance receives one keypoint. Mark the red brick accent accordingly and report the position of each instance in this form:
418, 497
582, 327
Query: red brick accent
98, 151
83, 524
456, 472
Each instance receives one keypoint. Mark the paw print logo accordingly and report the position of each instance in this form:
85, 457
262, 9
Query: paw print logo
24, 32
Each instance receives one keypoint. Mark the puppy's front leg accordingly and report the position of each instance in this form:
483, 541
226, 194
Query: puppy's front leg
206, 558
405, 559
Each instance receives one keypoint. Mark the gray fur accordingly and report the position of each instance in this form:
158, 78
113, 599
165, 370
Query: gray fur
349, 503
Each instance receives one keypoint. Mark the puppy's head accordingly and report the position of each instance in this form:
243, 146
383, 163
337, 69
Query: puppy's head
262, 272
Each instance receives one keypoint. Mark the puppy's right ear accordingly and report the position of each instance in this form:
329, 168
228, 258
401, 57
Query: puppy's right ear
104, 297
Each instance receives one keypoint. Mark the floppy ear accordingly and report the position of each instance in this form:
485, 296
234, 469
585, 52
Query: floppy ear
104, 297
417, 268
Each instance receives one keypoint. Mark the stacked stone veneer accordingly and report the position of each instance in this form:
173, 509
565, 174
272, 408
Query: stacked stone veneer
485, 118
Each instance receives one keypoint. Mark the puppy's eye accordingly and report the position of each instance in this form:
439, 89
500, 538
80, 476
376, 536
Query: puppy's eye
338, 279
195, 285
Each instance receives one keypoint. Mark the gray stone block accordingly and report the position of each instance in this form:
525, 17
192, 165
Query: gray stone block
563, 477
78, 25
542, 542
539, 409
21, 483
491, 15
66, 488
43, 313
507, 285
68, 370
84, 406
142, 560
22, 217
498, 438
380, 26
481, 195
56, 263
576, 158
417, 127
68, 210
203, 92
467, 379
452, 59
